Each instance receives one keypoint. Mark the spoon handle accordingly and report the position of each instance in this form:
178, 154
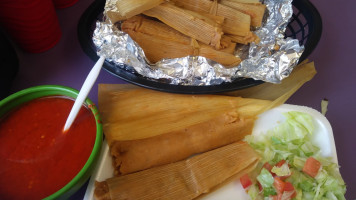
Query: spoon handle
84, 91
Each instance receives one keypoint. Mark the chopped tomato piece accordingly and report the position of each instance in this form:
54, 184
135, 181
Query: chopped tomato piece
278, 196
311, 167
284, 177
245, 181
278, 185
280, 163
260, 186
268, 166
288, 187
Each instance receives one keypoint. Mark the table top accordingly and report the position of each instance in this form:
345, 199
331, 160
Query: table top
66, 64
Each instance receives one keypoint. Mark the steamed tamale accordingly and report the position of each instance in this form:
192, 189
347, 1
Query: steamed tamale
235, 23
251, 37
182, 180
141, 113
160, 41
154, 128
256, 11
177, 145
129, 8
247, 1
199, 27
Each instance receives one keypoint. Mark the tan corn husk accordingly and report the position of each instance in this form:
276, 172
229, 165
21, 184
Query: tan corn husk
251, 37
224, 57
127, 9
154, 28
114, 16
156, 48
160, 41
235, 23
195, 26
256, 11
186, 179
143, 113
177, 145
247, 1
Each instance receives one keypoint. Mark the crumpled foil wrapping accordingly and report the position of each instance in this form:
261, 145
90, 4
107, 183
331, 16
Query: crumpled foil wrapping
262, 61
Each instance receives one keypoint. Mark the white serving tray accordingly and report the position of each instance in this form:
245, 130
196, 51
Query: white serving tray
323, 138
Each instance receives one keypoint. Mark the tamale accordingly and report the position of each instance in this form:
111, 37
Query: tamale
154, 28
193, 25
256, 11
251, 37
227, 45
158, 29
247, 1
182, 180
141, 113
160, 41
235, 23
114, 16
223, 56
156, 48
177, 145
129, 8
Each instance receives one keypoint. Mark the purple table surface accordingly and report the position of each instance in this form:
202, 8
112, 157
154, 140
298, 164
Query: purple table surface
66, 64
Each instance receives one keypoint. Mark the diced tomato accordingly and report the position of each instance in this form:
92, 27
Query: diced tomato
280, 163
288, 186
278, 196
259, 186
268, 166
245, 181
284, 177
278, 185
311, 167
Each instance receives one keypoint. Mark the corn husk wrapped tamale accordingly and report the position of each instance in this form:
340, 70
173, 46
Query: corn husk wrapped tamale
127, 9
192, 24
148, 121
251, 37
235, 23
160, 41
247, 1
219, 131
142, 113
256, 11
182, 180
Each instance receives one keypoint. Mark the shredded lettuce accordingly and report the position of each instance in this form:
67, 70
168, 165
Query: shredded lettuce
291, 141
265, 178
282, 170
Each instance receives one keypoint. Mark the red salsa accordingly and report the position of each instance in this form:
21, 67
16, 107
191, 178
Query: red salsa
36, 157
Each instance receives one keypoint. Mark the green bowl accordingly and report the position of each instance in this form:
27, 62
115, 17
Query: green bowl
29, 94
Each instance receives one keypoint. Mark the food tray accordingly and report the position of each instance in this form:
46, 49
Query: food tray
322, 137
305, 25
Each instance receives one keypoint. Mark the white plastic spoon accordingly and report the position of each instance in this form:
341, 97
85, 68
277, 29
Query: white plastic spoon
84, 91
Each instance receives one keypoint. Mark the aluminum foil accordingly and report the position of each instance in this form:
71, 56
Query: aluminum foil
271, 60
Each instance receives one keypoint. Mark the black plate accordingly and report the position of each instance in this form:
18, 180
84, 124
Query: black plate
305, 25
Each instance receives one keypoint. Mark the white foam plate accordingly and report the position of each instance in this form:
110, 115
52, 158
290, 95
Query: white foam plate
323, 138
